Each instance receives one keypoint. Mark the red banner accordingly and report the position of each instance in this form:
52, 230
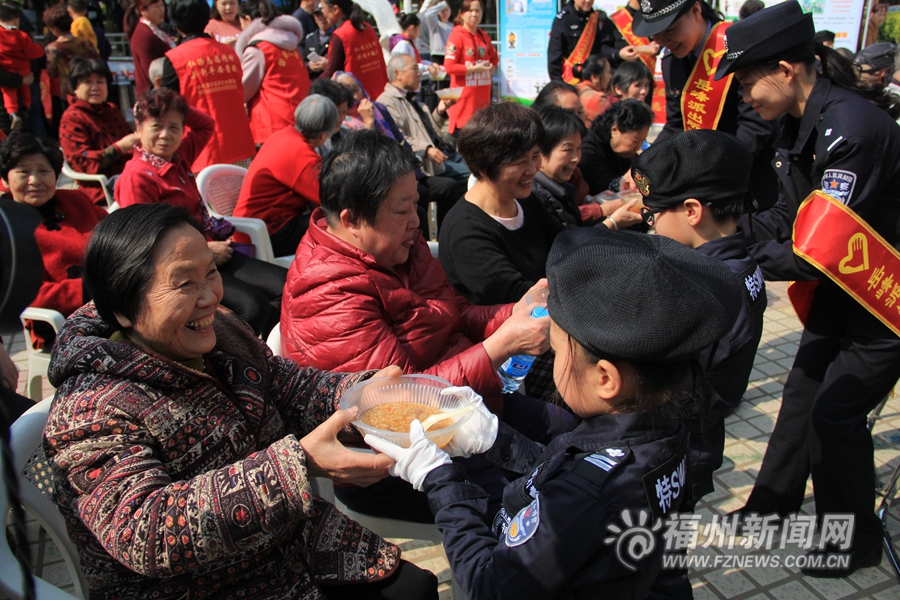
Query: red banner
582, 49
703, 98
835, 240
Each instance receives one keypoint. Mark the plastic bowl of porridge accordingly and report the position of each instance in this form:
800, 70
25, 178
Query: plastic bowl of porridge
387, 406
452, 94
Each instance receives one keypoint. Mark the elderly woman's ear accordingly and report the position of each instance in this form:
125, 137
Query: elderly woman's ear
124, 322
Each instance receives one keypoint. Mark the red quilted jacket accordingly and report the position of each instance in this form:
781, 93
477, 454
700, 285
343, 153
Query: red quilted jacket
342, 311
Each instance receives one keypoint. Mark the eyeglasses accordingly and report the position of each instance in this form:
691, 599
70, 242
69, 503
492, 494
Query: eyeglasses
649, 216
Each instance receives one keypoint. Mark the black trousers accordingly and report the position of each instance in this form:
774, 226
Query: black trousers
846, 363
253, 291
286, 239
408, 582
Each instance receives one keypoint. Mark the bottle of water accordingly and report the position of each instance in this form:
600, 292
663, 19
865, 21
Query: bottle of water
514, 370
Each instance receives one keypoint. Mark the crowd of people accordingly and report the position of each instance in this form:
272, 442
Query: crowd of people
184, 448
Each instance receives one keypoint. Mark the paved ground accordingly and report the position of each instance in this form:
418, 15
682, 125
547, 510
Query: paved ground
748, 430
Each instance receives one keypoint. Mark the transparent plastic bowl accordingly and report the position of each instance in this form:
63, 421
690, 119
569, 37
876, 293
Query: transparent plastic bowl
422, 389
453, 93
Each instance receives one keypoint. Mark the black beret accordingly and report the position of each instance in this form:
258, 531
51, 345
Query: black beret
824, 36
639, 297
704, 164
658, 15
878, 56
765, 35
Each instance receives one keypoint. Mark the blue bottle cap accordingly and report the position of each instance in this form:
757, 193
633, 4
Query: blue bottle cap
540, 311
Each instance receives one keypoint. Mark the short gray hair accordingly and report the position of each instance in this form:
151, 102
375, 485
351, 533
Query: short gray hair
397, 63
316, 115
156, 68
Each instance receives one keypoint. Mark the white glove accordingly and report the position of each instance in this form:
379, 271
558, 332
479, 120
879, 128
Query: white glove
413, 463
479, 433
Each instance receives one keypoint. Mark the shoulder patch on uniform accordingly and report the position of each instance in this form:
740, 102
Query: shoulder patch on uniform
522, 527
559, 15
754, 283
596, 466
839, 184
666, 484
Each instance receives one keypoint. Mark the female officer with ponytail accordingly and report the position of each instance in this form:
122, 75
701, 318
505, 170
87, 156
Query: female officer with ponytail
838, 137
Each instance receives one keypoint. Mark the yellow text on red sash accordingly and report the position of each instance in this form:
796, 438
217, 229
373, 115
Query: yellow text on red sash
703, 98
835, 240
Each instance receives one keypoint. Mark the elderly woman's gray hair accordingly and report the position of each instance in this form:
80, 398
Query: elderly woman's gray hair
397, 63
316, 115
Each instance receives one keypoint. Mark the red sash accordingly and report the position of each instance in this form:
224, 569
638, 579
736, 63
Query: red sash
703, 98
835, 240
623, 21
582, 49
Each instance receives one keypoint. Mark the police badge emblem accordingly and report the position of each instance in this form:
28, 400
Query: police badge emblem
642, 182
646, 7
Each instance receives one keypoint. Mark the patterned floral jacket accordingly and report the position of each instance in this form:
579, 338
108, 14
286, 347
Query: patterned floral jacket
177, 484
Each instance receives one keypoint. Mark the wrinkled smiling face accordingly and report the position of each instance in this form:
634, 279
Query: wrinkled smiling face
32, 181
162, 136
178, 310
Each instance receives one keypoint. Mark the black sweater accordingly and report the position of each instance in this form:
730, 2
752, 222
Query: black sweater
489, 264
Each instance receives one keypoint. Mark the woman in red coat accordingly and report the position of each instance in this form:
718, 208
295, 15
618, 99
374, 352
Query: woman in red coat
470, 61
93, 133
274, 75
161, 172
29, 167
148, 42
364, 290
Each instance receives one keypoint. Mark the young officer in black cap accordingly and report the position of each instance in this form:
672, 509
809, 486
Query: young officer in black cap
685, 27
695, 187
617, 362
568, 28
836, 136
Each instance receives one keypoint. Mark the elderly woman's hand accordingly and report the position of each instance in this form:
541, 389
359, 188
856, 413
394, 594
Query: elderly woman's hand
327, 457
367, 113
222, 252
520, 334
126, 144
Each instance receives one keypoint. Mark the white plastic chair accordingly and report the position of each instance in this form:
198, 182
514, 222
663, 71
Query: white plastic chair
103, 180
220, 187
26, 435
38, 360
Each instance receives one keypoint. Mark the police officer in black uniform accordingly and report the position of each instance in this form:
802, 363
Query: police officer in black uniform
837, 136
682, 26
566, 31
617, 362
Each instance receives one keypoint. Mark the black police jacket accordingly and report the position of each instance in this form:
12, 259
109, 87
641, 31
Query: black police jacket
556, 535
738, 118
845, 145
565, 33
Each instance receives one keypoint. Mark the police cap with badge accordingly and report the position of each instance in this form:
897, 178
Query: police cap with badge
658, 15
708, 165
765, 35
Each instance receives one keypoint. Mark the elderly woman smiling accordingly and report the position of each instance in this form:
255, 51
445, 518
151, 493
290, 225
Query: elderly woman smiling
183, 448
29, 167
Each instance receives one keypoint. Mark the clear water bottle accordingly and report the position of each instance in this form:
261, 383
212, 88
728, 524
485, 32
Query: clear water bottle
514, 370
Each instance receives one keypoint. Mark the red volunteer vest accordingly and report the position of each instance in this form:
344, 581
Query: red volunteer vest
284, 86
363, 57
209, 74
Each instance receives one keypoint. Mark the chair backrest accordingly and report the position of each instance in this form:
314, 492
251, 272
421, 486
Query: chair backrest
71, 173
25, 436
274, 340
220, 186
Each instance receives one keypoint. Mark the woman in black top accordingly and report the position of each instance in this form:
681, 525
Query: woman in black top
612, 144
494, 246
